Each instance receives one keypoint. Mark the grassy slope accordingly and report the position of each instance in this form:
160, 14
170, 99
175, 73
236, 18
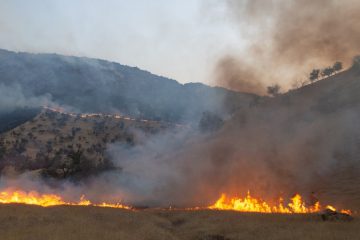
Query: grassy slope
334, 96
47, 127
58, 223
53, 135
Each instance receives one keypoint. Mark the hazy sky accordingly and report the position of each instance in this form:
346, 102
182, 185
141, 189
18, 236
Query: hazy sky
180, 39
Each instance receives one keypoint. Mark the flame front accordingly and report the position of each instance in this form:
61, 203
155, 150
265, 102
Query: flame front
47, 200
251, 204
247, 204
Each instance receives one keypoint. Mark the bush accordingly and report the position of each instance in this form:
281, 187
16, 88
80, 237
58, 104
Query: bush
273, 90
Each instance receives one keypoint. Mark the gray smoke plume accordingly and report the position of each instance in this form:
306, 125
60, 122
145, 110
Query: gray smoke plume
286, 39
12, 97
302, 142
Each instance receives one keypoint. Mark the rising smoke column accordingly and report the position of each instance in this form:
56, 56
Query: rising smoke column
286, 39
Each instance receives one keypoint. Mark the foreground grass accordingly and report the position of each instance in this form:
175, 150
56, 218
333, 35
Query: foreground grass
91, 223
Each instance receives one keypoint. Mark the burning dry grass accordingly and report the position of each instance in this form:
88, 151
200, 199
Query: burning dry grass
76, 222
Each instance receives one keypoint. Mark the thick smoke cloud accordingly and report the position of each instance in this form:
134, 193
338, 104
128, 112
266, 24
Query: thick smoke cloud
302, 142
286, 39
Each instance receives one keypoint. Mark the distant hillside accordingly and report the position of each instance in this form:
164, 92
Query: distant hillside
92, 85
63, 145
338, 92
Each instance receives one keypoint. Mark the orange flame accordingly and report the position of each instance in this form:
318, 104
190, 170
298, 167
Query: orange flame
251, 204
90, 115
247, 204
47, 200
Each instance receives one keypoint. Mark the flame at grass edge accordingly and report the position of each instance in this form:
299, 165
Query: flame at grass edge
251, 204
247, 204
48, 200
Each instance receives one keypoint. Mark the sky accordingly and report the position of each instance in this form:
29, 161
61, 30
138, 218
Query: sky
179, 39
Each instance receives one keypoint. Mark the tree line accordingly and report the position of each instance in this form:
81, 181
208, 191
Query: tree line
316, 74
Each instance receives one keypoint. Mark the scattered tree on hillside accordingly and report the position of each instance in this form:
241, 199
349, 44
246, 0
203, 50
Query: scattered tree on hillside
314, 75
273, 90
327, 72
76, 156
337, 66
72, 165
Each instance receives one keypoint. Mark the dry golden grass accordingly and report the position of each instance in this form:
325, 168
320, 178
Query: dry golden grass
91, 223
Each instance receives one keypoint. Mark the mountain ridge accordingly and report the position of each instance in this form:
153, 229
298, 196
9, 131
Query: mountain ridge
94, 85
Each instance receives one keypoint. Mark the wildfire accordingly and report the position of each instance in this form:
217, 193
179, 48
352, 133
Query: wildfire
93, 115
251, 204
247, 204
47, 200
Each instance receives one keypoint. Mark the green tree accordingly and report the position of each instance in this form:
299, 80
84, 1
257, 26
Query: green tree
73, 164
314, 75
327, 72
273, 90
337, 66
76, 156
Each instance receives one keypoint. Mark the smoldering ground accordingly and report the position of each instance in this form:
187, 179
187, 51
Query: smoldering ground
286, 39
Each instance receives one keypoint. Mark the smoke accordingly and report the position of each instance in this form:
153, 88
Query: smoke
286, 39
275, 149
298, 143
12, 96
291, 144
233, 74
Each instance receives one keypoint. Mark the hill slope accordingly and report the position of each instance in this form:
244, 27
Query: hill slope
64, 145
92, 85
307, 140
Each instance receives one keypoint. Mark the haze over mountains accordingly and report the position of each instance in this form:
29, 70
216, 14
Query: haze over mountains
92, 85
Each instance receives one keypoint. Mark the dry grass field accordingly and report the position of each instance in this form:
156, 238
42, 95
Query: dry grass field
21, 222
